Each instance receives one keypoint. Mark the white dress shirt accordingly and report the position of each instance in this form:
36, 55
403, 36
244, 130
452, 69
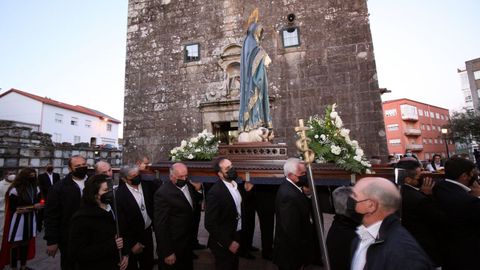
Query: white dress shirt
367, 237
186, 192
50, 176
80, 184
138, 195
233, 188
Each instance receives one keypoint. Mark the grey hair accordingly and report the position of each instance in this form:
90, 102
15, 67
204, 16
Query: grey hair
291, 166
125, 171
340, 197
389, 200
99, 163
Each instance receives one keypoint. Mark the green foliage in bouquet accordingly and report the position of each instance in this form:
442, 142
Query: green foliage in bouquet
332, 144
202, 147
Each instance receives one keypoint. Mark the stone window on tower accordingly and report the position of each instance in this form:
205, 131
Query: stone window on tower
290, 37
192, 52
476, 74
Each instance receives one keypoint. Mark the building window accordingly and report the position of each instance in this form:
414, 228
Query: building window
430, 141
441, 140
192, 52
468, 98
427, 155
76, 139
88, 123
74, 121
408, 111
437, 115
439, 128
436, 141
476, 74
423, 127
432, 115
58, 118
391, 112
428, 127
57, 137
291, 37
420, 112
109, 127
442, 117
392, 127
394, 141
425, 141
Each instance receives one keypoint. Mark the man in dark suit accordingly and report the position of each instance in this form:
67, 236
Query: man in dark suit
63, 201
294, 229
421, 216
458, 197
174, 219
382, 242
135, 212
46, 180
223, 216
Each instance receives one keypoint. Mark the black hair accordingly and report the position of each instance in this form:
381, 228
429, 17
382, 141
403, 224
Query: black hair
456, 166
216, 164
22, 182
71, 158
436, 155
410, 167
92, 186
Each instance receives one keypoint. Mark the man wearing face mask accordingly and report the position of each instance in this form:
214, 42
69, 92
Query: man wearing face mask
47, 179
458, 197
223, 216
421, 216
293, 244
63, 201
382, 242
174, 204
135, 210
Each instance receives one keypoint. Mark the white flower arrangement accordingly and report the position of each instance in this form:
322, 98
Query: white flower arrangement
331, 142
202, 147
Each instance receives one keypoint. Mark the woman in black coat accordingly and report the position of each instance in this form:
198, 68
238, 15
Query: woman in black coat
93, 237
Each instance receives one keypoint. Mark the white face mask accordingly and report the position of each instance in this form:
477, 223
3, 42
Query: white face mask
11, 177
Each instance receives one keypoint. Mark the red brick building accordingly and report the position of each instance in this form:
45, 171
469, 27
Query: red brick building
416, 126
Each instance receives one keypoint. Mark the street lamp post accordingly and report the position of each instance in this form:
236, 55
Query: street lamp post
445, 132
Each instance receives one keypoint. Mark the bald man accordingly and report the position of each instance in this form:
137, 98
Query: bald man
175, 202
382, 242
103, 167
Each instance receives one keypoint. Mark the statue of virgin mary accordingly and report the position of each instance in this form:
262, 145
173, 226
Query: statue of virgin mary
254, 102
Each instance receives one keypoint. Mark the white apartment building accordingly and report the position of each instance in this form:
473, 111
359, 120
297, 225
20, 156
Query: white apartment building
65, 122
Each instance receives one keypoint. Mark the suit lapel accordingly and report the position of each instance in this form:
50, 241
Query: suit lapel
228, 195
177, 192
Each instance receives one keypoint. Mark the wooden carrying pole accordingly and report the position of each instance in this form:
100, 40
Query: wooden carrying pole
309, 157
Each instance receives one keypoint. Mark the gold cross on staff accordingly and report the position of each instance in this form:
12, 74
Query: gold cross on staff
302, 143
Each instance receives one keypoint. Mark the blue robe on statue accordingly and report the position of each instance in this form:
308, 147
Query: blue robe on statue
254, 102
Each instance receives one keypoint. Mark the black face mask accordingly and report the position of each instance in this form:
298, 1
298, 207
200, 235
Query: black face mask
136, 181
231, 175
302, 181
107, 197
181, 183
80, 172
351, 213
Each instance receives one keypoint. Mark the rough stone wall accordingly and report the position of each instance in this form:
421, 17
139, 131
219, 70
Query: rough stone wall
21, 147
334, 64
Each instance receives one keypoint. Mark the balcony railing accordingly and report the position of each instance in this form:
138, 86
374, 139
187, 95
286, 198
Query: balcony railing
409, 117
412, 132
414, 147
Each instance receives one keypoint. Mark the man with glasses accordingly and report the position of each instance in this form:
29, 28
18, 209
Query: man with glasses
382, 242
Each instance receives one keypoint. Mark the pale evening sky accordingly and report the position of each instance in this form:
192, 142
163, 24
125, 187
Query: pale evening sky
74, 51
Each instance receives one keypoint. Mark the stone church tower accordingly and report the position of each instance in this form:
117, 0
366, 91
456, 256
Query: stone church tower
182, 70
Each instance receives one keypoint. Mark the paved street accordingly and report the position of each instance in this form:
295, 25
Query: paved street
204, 262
